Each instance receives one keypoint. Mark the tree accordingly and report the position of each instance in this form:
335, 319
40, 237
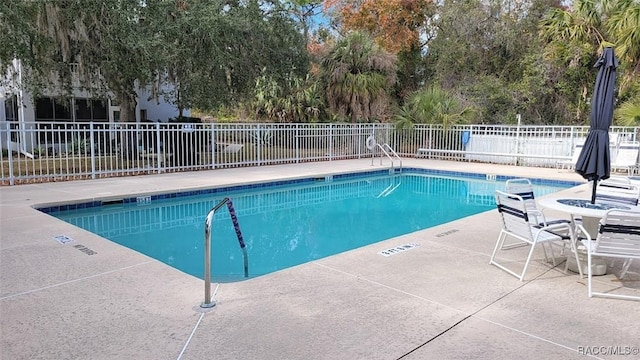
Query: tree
306, 12
401, 27
297, 100
433, 105
580, 32
211, 52
215, 51
628, 113
102, 44
490, 53
396, 25
357, 74
624, 26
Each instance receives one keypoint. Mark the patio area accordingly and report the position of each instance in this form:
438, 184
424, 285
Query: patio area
441, 300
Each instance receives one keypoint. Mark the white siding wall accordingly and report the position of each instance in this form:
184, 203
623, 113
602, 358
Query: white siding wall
157, 109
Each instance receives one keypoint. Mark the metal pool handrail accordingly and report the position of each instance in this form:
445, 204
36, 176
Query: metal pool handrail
208, 302
388, 151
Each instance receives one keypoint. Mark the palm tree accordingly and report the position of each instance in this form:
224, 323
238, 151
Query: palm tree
432, 105
624, 26
594, 24
582, 23
628, 113
357, 74
296, 100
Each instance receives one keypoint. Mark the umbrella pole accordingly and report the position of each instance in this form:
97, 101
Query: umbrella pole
593, 191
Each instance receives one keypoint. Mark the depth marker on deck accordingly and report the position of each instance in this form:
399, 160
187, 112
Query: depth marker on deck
63, 239
397, 249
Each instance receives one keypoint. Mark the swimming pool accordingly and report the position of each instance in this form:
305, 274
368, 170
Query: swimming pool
287, 223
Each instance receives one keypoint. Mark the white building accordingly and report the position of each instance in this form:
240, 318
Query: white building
19, 111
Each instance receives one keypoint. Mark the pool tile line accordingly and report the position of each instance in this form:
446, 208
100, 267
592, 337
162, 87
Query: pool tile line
244, 187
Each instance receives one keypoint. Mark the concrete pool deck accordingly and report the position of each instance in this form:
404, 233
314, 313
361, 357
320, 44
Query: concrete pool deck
440, 300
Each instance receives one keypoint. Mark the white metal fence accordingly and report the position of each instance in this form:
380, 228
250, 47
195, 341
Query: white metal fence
55, 151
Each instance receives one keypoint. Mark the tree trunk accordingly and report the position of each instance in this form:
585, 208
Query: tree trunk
129, 144
127, 108
179, 102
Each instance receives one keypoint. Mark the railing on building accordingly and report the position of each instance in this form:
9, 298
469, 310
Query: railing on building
55, 151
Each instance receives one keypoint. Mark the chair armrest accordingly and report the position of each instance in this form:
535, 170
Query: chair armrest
540, 215
562, 230
581, 234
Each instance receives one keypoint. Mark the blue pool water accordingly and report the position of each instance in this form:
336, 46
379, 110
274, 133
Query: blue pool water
285, 224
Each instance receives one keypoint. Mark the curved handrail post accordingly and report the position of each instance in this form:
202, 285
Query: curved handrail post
384, 147
393, 152
208, 301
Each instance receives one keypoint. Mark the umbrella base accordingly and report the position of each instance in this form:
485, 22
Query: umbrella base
598, 265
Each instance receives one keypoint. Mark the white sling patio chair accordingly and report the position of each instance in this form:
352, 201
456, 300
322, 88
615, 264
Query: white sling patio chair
523, 188
618, 237
626, 158
516, 223
570, 164
618, 189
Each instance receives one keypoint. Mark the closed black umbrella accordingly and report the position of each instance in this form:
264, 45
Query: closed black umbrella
594, 162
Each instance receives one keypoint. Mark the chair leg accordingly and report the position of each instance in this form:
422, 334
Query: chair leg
574, 250
526, 264
589, 274
625, 268
546, 257
512, 245
501, 237
554, 261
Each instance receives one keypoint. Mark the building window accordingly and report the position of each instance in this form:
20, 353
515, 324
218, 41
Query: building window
86, 110
50, 109
62, 110
91, 110
56, 115
99, 108
83, 110
11, 108
11, 112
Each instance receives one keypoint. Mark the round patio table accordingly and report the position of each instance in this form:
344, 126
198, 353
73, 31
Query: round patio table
591, 215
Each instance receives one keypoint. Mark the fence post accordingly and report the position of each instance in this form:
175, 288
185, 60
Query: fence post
430, 139
358, 130
297, 143
330, 142
93, 151
159, 147
467, 145
259, 144
517, 148
10, 154
212, 144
